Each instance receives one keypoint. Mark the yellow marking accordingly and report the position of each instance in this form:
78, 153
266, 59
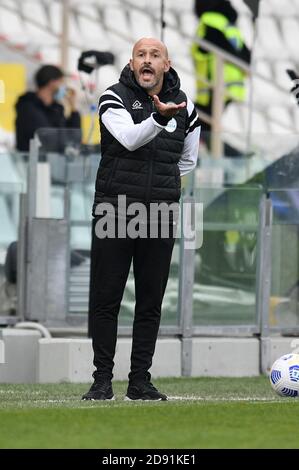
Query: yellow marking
86, 120
13, 78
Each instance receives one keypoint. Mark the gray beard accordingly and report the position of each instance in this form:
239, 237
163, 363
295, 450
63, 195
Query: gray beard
147, 86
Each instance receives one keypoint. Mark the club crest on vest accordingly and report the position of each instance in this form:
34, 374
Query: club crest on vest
171, 126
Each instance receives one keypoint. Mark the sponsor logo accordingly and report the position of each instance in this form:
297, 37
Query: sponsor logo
294, 373
287, 357
137, 105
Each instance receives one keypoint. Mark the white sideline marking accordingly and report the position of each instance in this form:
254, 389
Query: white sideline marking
194, 398
180, 398
19, 392
186, 398
120, 400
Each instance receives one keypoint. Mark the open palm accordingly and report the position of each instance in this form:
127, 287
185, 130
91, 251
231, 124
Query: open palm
168, 110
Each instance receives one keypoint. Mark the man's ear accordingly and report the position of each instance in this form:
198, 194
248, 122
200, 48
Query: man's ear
167, 66
131, 64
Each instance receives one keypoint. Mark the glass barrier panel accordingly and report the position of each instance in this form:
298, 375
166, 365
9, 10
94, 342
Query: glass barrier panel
169, 314
81, 200
9, 217
72, 169
270, 160
284, 300
229, 185
226, 263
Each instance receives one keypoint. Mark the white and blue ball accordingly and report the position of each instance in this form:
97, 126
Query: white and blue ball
284, 375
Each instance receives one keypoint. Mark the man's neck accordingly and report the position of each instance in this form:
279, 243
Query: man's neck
155, 91
45, 96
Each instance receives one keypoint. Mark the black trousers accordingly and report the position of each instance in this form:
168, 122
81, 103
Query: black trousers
111, 259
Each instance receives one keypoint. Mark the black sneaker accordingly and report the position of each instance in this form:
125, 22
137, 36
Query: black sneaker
144, 390
101, 389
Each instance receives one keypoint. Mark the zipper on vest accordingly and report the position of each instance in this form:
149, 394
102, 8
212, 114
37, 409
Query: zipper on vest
150, 175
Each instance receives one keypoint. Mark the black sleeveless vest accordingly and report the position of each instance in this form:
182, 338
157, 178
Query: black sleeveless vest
150, 173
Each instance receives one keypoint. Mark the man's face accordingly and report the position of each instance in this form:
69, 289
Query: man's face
56, 84
149, 63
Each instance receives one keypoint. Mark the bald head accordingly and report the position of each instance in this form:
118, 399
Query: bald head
149, 63
151, 42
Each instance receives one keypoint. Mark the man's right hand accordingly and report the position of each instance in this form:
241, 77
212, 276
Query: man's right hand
168, 110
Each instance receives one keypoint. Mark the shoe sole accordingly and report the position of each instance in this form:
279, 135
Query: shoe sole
140, 399
95, 399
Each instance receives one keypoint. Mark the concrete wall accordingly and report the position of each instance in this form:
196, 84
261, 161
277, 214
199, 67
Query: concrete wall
283, 345
230, 357
70, 360
21, 356
64, 360
30, 358
2, 355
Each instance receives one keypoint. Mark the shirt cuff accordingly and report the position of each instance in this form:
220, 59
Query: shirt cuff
160, 120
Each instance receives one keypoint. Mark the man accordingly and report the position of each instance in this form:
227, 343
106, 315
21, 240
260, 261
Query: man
217, 25
150, 137
42, 108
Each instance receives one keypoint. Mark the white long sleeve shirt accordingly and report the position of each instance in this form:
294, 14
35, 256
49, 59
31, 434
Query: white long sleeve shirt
118, 121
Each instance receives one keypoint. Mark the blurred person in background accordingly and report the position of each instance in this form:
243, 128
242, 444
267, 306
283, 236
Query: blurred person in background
43, 107
217, 25
40, 109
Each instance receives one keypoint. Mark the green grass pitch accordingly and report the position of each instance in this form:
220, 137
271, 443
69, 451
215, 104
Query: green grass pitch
202, 413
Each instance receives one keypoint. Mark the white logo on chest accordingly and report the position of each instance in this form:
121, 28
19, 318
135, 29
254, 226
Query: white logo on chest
171, 126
